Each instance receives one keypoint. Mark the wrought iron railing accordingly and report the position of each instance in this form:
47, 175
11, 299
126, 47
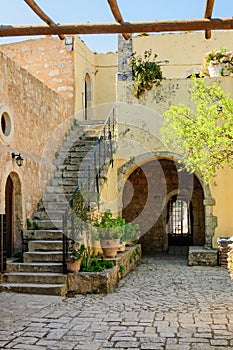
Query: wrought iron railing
87, 192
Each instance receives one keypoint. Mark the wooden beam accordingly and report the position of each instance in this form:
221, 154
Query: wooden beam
208, 14
117, 15
42, 15
112, 28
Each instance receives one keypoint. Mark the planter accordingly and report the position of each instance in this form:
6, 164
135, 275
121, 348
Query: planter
215, 70
73, 266
110, 247
122, 247
218, 70
95, 247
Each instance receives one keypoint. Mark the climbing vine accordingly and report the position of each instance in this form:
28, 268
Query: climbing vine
146, 72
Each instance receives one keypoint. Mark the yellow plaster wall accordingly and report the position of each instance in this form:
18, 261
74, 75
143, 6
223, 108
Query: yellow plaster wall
184, 51
159, 99
102, 69
222, 191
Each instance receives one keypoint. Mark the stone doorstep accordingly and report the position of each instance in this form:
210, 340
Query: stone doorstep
200, 256
105, 282
35, 277
33, 288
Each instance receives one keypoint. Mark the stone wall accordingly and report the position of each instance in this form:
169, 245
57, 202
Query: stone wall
105, 281
39, 121
48, 60
203, 257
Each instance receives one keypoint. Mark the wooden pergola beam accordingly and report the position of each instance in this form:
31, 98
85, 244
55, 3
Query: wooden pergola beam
42, 15
208, 14
112, 28
117, 15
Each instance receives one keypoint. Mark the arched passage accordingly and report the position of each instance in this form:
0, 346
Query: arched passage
13, 215
87, 96
146, 196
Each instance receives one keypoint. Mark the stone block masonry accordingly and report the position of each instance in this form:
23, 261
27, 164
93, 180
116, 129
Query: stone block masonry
105, 281
201, 256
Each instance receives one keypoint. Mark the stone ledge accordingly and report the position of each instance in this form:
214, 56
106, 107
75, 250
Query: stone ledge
105, 281
202, 256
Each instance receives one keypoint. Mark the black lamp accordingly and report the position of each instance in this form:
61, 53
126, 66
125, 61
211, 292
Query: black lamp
18, 158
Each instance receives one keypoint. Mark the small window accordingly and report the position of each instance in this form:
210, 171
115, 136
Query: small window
5, 124
7, 127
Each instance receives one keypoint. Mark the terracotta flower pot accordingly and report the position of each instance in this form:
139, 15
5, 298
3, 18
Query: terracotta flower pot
73, 266
110, 247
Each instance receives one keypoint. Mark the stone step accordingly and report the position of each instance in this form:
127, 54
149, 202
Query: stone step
51, 267
45, 245
65, 174
55, 205
33, 288
76, 140
50, 225
48, 256
77, 155
35, 277
56, 197
80, 146
48, 215
68, 189
42, 234
64, 182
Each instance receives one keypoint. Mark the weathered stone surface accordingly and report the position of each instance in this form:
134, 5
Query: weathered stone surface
202, 256
162, 304
105, 281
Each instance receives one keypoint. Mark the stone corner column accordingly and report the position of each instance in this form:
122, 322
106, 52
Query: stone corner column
210, 222
124, 53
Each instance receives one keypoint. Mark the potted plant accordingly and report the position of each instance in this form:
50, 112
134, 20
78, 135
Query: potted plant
132, 233
109, 232
218, 62
74, 259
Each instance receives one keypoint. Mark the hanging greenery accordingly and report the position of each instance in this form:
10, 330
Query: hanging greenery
204, 134
146, 72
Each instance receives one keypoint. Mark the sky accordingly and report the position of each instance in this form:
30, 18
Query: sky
17, 12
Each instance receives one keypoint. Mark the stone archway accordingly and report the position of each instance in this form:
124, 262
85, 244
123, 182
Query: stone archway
145, 197
13, 214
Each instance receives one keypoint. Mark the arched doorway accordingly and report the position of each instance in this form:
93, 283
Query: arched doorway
13, 216
156, 195
87, 96
179, 226
9, 211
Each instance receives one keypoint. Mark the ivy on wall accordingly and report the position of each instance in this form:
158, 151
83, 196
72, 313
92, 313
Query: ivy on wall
146, 72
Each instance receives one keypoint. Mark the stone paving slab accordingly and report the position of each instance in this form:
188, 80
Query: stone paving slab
162, 304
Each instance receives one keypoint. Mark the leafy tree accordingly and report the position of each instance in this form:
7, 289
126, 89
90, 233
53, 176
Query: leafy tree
203, 134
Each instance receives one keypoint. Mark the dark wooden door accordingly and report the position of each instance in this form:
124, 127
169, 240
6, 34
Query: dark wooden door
8, 239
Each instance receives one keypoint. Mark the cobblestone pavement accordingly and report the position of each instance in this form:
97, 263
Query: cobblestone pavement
162, 304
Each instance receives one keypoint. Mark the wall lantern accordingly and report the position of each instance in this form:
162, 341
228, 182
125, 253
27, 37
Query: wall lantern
69, 41
18, 158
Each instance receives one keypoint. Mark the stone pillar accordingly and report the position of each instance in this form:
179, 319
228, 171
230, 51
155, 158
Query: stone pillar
124, 53
210, 222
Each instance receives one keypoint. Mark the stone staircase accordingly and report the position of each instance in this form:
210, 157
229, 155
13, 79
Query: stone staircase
41, 271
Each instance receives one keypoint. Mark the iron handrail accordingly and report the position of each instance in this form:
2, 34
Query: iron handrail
88, 183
